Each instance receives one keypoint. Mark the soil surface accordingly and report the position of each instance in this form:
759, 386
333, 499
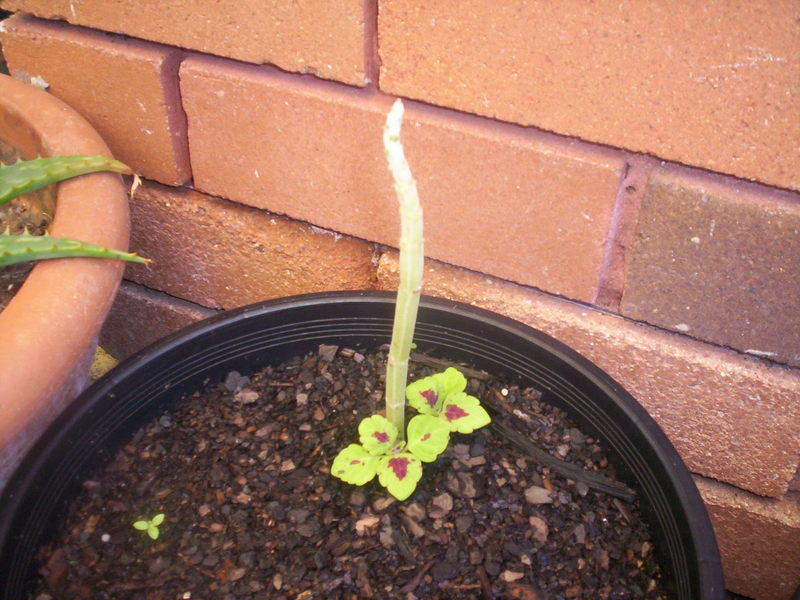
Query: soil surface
241, 472
11, 279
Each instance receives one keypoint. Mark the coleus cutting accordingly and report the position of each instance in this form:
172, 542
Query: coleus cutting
444, 407
386, 450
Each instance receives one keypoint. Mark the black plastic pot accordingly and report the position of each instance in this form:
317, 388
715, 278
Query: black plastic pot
272, 332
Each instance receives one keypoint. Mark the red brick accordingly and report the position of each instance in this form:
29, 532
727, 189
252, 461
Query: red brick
323, 38
759, 540
731, 417
222, 255
794, 484
718, 259
498, 198
622, 234
141, 316
701, 83
127, 89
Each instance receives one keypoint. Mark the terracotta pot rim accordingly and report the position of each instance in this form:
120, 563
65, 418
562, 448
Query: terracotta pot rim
55, 317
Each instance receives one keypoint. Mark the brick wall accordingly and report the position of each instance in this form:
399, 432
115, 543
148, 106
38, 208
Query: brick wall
622, 175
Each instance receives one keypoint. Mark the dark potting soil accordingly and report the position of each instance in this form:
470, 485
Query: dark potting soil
11, 279
241, 472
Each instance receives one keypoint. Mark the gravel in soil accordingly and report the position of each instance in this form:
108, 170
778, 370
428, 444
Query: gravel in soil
241, 472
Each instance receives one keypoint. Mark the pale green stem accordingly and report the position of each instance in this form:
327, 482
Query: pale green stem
411, 266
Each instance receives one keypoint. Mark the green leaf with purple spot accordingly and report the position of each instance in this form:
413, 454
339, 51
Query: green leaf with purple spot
355, 465
426, 394
399, 474
463, 413
377, 435
427, 437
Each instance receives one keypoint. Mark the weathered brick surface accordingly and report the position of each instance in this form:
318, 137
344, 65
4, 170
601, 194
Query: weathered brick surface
141, 316
794, 484
759, 540
127, 89
497, 198
731, 417
622, 232
701, 83
718, 260
222, 255
323, 38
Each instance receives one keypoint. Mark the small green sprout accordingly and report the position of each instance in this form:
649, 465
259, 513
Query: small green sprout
150, 525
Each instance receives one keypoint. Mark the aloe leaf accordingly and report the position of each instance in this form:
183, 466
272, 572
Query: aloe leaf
27, 176
22, 248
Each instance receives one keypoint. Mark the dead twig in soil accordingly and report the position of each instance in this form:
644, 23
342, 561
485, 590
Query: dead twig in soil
594, 480
508, 426
486, 585
415, 581
443, 364
364, 586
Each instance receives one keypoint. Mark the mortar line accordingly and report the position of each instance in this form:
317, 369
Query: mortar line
372, 60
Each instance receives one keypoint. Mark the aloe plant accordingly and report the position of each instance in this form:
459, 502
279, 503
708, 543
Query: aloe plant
443, 406
23, 177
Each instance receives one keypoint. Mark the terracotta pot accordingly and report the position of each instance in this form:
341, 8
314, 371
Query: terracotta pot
49, 330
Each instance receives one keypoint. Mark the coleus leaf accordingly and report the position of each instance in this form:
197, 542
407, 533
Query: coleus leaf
399, 474
355, 465
426, 395
427, 437
464, 413
377, 434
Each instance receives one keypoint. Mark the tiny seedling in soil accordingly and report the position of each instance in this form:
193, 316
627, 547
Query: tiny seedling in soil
440, 400
150, 525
